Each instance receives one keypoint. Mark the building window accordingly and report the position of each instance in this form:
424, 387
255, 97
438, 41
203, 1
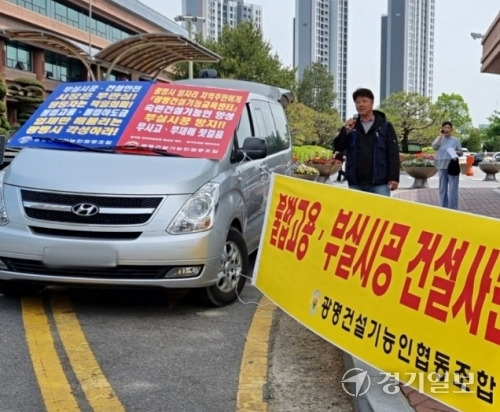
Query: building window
75, 17
40, 6
63, 69
18, 56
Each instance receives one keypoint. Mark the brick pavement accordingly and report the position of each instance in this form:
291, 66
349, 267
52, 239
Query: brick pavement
479, 201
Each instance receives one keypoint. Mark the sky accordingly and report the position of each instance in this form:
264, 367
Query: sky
457, 56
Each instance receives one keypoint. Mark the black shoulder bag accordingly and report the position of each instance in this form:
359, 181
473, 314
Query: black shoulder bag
454, 167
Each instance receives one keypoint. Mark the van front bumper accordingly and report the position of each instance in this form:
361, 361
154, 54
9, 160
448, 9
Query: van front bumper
156, 259
123, 275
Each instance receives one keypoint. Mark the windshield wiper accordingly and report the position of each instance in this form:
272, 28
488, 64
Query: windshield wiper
161, 152
110, 148
68, 143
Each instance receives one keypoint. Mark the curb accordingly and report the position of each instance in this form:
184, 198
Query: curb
375, 400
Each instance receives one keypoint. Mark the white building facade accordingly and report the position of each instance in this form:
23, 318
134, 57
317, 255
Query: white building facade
218, 13
320, 35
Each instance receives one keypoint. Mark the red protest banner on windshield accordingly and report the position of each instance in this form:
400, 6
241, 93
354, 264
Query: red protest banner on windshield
189, 120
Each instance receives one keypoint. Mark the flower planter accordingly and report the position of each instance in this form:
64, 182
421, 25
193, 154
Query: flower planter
312, 178
325, 169
490, 169
420, 174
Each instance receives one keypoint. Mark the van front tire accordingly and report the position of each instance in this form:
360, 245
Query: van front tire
233, 272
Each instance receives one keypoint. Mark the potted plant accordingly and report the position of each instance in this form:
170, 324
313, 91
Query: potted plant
419, 166
489, 166
326, 166
303, 171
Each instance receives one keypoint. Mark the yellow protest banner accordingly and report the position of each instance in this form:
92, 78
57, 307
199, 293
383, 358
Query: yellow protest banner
412, 289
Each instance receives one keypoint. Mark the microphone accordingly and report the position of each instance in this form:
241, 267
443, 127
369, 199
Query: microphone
352, 123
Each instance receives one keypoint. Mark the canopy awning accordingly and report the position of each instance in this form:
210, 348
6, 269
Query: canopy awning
50, 41
152, 53
147, 54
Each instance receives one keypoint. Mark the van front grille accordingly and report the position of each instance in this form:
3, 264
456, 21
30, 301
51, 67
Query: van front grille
89, 209
68, 217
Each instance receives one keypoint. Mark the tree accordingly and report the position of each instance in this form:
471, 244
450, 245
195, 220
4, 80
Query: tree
412, 115
491, 134
454, 109
4, 123
309, 127
327, 127
301, 120
245, 55
30, 93
473, 141
316, 88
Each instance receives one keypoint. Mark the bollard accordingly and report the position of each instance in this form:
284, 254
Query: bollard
470, 162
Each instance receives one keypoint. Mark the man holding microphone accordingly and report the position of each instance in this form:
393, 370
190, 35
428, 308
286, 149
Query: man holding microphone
371, 145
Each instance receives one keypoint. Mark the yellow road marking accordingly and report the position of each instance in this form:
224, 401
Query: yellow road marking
55, 388
97, 389
253, 370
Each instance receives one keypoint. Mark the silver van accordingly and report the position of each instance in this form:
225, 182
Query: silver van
80, 216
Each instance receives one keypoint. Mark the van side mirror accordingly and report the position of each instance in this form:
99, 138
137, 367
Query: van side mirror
253, 148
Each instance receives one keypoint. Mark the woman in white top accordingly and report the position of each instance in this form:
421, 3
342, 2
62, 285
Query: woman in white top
448, 184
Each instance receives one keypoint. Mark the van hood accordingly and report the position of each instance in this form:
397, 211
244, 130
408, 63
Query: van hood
108, 173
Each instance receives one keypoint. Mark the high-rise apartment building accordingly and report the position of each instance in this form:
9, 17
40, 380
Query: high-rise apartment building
218, 13
407, 48
321, 36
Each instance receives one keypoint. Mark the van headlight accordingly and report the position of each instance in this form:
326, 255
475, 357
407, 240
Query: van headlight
3, 213
198, 213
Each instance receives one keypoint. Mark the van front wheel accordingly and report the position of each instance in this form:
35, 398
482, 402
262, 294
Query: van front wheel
232, 274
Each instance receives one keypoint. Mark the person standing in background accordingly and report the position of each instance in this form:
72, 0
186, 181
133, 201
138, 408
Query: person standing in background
371, 148
446, 145
340, 156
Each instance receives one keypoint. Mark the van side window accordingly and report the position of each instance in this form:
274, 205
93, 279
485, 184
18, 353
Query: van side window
260, 124
244, 128
276, 139
280, 120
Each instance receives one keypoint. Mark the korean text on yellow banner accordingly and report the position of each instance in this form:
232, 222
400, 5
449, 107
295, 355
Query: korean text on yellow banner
412, 289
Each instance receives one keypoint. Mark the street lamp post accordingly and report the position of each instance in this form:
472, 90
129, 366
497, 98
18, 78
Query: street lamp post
190, 20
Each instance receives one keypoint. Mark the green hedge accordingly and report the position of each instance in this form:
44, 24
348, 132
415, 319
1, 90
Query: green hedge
303, 153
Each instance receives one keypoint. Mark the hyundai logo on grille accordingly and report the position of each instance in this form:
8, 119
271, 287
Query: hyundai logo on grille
85, 209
